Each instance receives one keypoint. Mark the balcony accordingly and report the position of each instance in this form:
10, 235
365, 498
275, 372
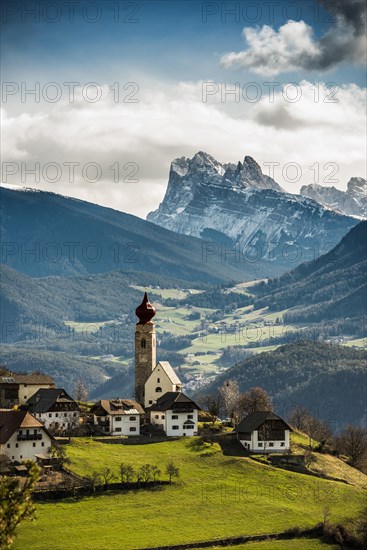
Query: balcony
29, 437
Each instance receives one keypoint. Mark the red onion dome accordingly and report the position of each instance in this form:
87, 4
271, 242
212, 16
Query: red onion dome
145, 311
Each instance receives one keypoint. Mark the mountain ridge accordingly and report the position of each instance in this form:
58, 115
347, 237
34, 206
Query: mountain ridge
352, 202
45, 233
208, 199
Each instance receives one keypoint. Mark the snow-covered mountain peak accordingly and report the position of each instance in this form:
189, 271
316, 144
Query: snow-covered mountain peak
352, 202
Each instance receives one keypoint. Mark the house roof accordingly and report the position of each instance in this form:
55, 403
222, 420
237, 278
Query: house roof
254, 420
45, 398
10, 421
172, 400
167, 368
32, 378
119, 406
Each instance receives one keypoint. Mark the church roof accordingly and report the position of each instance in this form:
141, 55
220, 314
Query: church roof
173, 400
166, 366
145, 311
256, 419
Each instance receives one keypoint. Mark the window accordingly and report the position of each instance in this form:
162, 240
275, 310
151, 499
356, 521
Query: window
65, 414
157, 416
25, 397
50, 415
188, 427
8, 446
282, 444
74, 414
162, 416
56, 414
42, 444
20, 432
143, 343
260, 444
271, 444
175, 417
150, 402
16, 445
158, 380
34, 444
132, 429
35, 431
190, 416
132, 418
158, 389
118, 418
175, 427
118, 429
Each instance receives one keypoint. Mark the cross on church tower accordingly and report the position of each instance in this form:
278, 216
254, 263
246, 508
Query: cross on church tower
145, 347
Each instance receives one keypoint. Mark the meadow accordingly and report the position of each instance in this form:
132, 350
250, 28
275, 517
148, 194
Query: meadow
216, 496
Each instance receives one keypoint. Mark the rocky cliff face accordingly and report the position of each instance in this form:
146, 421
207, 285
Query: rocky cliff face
352, 202
241, 209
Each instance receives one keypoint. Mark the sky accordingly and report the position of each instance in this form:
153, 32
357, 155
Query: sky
98, 98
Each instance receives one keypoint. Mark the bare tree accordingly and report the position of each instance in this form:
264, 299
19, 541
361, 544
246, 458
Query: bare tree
155, 471
126, 473
81, 392
107, 476
172, 471
298, 418
264, 434
317, 431
213, 403
144, 473
352, 441
255, 399
93, 480
230, 395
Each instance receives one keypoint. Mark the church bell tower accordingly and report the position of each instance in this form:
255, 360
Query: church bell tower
145, 347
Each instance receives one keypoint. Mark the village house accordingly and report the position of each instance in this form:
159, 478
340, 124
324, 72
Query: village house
264, 432
56, 409
22, 436
117, 416
176, 414
16, 389
163, 379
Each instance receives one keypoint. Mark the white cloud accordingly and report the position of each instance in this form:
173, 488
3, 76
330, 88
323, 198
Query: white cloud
270, 53
173, 122
293, 46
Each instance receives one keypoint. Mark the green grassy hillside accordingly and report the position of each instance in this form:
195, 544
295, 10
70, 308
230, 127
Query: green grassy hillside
216, 496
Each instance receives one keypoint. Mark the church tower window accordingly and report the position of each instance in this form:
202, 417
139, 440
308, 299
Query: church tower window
143, 343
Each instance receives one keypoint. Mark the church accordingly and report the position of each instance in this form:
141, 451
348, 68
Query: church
157, 387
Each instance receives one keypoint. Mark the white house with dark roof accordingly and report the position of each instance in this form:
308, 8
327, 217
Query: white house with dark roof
264, 432
117, 416
176, 414
56, 409
22, 436
16, 389
163, 379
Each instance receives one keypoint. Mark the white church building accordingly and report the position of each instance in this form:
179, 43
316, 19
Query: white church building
157, 386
